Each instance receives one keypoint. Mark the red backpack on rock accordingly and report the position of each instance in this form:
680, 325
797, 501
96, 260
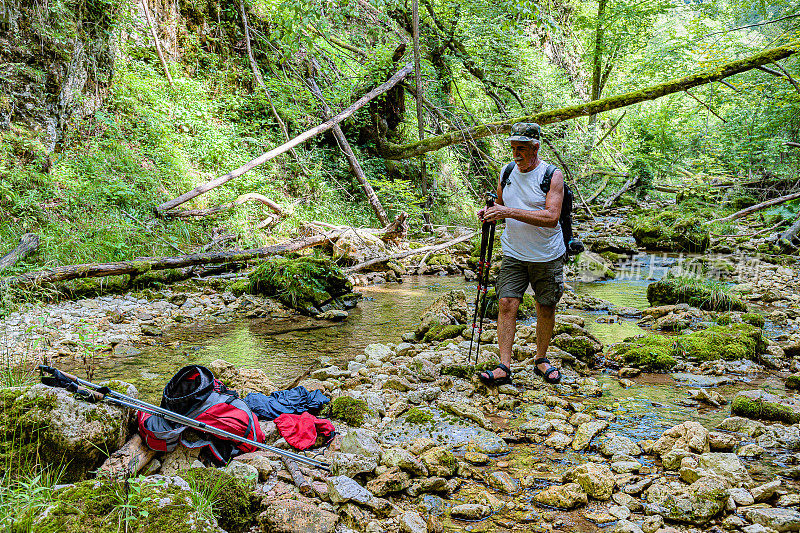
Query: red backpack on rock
194, 392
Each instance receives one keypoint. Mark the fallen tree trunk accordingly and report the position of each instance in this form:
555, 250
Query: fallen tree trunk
355, 166
788, 241
285, 147
27, 244
230, 205
299, 480
405, 151
400, 255
602, 186
758, 207
128, 460
633, 180
145, 264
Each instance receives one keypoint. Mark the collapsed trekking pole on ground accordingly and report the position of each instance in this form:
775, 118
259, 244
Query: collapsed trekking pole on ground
58, 378
485, 262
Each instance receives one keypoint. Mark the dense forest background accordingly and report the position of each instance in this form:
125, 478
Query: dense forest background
93, 134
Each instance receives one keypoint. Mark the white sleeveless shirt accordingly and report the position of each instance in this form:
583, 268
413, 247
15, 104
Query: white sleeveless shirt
522, 241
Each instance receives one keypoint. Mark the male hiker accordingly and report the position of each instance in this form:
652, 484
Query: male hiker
533, 249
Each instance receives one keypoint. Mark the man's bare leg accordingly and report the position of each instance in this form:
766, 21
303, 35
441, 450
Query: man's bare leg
506, 329
545, 322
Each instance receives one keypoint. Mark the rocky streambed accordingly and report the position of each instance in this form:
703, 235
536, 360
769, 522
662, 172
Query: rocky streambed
691, 427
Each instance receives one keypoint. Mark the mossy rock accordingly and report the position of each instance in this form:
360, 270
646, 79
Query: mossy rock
49, 427
793, 381
670, 231
724, 319
416, 415
239, 287
737, 341
652, 352
234, 507
349, 410
442, 333
440, 260
527, 308
458, 371
760, 405
99, 506
695, 292
754, 319
309, 284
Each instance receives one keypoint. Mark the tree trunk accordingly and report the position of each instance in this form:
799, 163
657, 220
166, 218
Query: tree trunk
154, 33
230, 205
788, 240
145, 264
633, 180
717, 73
757, 207
285, 147
128, 460
374, 202
597, 71
27, 244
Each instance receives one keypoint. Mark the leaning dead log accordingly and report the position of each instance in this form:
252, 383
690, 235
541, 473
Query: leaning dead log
144, 264
399, 76
230, 205
128, 460
718, 72
788, 240
633, 180
758, 207
355, 166
400, 255
154, 33
27, 244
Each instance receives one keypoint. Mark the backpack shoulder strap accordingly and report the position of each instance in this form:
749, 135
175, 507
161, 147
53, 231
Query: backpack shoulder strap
548, 177
507, 174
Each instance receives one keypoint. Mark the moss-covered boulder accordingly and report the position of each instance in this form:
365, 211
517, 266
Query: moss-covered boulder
651, 352
356, 246
701, 293
234, 505
149, 505
670, 231
349, 410
735, 341
309, 284
442, 333
793, 381
754, 319
760, 405
50, 426
448, 309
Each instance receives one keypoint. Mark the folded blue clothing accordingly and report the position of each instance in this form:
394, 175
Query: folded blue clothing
292, 401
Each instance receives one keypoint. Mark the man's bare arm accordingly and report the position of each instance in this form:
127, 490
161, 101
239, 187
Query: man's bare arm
547, 217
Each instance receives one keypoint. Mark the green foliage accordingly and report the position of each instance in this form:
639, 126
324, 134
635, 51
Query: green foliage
305, 283
349, 410
25, 495
706, 294
217, 493
416, 415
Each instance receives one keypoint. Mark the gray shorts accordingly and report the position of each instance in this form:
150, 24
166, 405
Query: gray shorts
547, 280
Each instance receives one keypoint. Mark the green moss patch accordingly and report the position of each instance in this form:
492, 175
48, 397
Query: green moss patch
793, 381
416, 415
309, 284
441, 333
702, 293
764, 409
348, 410
754, 319
458, 371
233, 505
653, 353
737, 341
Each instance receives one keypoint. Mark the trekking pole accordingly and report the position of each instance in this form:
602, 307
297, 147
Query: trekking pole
487, 265
482, 258
97, 393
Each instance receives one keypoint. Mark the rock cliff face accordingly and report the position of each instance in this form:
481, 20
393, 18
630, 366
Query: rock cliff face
57, 62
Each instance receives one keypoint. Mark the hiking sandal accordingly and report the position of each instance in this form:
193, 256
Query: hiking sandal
547, 373
487, 376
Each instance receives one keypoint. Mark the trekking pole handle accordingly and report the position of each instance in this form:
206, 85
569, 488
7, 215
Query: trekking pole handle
64, 380
490, 198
